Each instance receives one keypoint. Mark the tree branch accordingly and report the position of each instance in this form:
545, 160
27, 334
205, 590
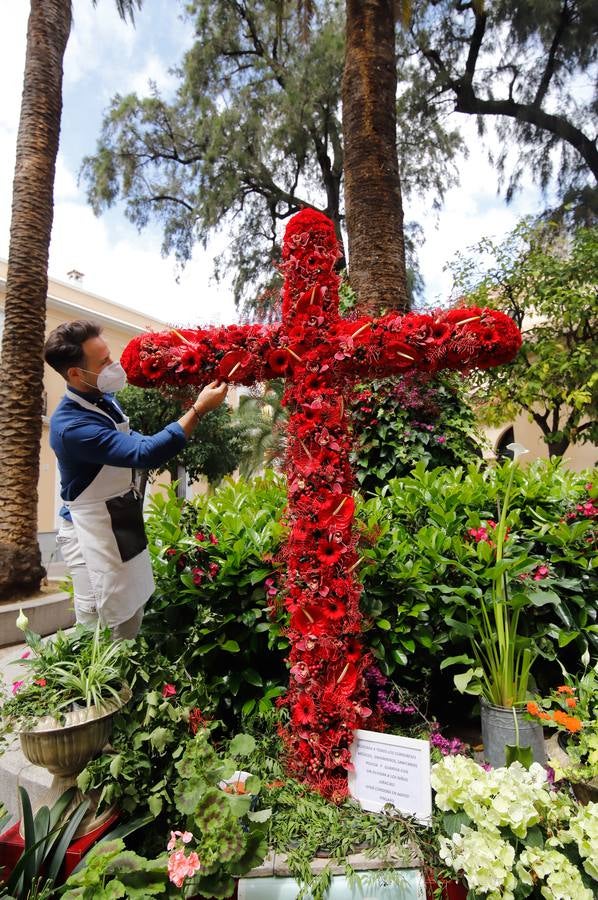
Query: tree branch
476, 42
467, 102
158, 198
549, 70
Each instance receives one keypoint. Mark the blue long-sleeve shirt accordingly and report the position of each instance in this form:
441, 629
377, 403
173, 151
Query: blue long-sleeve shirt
85, 440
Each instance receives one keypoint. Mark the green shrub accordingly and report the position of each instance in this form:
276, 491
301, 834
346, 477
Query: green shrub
428, 543
211, 558
416, 418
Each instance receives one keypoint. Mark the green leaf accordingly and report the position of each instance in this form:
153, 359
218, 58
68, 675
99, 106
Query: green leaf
160, 737
242, 745
523, 755
231, 646
463, 681
116, 765
452, 822
155, 804
541, 598
253, 677
260, 815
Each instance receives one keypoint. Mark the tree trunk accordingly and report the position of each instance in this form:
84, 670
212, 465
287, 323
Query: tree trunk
21, 376
557, 448
373, 203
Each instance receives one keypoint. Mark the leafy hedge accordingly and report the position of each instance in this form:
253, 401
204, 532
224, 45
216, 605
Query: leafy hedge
211, 559
432, 557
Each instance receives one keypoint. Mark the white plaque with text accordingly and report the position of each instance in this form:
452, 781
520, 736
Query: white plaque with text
391, 769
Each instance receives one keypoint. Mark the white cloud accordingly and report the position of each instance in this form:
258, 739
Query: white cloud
155, 70
99, 40
12, 64
471, 211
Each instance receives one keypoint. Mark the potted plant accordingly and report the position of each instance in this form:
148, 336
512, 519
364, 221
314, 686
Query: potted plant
572, 710
46, 838
510, 835
63, 712
502, 656
224, 834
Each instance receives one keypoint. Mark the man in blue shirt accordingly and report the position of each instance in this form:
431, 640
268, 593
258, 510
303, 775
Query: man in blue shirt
102, 536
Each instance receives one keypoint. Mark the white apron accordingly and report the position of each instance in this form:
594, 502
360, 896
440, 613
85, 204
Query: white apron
108, 521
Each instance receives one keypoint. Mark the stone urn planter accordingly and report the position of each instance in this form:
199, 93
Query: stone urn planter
498, 731
65, 748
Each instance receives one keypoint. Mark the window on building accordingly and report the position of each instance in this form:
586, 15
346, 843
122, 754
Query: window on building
506, 438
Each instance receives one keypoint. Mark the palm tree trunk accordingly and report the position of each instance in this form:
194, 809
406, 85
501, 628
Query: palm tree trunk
21, 376
374, 208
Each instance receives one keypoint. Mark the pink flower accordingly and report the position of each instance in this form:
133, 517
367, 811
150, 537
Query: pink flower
41, 681
181, 866
200, 536
441, 440
185, 836
213, 569
541, 572
25, 654
169, 690
213, 539
478, 534
198, 575
16, 686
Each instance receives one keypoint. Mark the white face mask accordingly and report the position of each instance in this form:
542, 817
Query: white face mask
112, 378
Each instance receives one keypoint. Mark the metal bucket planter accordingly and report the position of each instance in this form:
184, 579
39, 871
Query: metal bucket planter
64, 749
498, 731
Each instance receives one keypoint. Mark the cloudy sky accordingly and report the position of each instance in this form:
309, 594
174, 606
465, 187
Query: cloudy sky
105, 56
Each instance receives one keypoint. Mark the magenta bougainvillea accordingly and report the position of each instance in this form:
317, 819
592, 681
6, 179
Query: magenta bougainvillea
321, 355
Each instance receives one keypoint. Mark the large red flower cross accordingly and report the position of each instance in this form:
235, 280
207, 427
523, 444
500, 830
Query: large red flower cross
321, 355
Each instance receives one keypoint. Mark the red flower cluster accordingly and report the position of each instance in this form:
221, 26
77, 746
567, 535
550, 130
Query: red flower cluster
322, 355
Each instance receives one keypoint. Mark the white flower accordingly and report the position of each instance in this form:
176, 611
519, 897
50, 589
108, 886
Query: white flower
512, 798
583, 829
22, 621
483, 857
517, 449
562, 879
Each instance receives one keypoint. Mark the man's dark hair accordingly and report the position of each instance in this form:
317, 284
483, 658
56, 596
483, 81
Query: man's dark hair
64, 347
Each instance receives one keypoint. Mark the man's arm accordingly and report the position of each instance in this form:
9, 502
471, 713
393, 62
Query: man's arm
101, 444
